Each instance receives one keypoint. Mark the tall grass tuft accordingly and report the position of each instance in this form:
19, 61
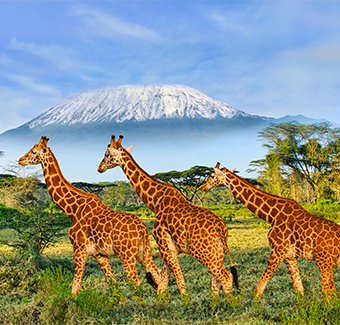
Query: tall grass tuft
313, 310
58, 306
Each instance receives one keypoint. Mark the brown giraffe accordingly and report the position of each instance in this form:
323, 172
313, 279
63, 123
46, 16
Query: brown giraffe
180, 227
96, 229
294, 233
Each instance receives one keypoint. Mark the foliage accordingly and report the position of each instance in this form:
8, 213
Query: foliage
325, 209
123, 194
36, 228
229, 212
141, 211
312, 310
187, 182
307, 154
26, 207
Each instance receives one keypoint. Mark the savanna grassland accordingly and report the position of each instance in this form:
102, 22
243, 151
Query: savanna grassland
40, 292
36, 265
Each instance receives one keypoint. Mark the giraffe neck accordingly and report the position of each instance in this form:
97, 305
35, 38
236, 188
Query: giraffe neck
151, 191
65, 195
265, 205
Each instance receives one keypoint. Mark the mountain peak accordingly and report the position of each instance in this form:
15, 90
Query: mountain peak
135, 103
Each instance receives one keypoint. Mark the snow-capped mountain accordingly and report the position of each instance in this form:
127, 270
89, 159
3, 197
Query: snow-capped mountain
135, 103
171, 126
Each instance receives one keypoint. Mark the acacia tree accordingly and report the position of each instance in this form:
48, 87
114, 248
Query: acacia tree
187, 182
26, 207
309, 151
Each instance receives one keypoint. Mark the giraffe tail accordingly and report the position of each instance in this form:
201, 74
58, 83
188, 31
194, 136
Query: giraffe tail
152, 271
223, 231
150, 280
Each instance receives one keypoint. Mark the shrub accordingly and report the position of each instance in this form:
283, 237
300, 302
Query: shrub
36, 228
325, 209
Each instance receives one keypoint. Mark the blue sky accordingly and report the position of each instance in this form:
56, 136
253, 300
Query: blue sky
269, 58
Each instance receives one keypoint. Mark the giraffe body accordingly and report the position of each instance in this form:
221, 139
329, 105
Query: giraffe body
180, 227
295, 232
96, 229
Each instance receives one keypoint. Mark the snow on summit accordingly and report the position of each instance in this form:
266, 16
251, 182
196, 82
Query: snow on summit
135, 103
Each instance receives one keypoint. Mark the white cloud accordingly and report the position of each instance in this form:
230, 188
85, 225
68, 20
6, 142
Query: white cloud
231, 22
28, 83
55, 54
327, 53
18, 106
101, 24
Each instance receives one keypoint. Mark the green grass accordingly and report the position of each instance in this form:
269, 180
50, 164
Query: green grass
42, 294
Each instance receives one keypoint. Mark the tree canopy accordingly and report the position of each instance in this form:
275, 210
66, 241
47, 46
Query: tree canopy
308, 152
187, 182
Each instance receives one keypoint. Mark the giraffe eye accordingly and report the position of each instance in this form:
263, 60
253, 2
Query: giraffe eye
33, 152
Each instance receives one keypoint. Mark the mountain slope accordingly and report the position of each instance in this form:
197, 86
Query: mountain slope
172, 127
135, 103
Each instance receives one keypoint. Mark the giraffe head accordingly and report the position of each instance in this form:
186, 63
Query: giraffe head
36, 154
216, 178
113, 154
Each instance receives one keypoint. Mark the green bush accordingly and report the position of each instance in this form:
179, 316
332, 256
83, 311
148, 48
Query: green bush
36, 228
141, 211
325, 209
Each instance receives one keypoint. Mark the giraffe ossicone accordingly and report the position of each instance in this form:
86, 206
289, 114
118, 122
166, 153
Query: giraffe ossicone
294, 233
180, 227
96, 229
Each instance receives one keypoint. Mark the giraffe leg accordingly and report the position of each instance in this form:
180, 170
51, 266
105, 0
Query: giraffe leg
326, 266
225, 279
130, 267
213, 260
171, 261
273, 263
162, 290
215, 291
79, 257
293, 268
104, 263
168, 251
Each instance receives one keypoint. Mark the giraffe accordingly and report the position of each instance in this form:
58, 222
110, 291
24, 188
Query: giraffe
180, 227
96, 229
294, 232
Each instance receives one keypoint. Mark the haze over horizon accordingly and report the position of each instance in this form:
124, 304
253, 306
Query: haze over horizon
269, 58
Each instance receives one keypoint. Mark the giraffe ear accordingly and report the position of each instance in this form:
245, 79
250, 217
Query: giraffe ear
218, 172
232, 170
129, 148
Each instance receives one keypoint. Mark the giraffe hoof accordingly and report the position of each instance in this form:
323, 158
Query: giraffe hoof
185, 299
214, 300
116, 292
232, 301
257, 300
163, 297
